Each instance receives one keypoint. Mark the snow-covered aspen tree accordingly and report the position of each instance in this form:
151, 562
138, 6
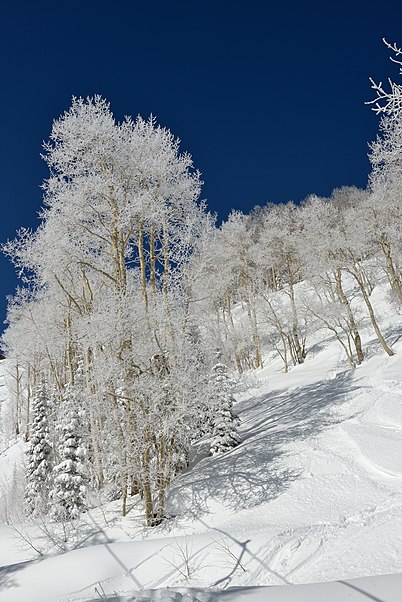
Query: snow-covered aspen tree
279, 240
353, 247
383, 207
325, 266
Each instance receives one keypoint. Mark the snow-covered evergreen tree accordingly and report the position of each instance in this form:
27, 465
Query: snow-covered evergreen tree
225, 434
39, 467
69, 476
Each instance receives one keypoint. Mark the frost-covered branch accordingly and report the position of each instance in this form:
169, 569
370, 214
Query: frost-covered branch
387, 101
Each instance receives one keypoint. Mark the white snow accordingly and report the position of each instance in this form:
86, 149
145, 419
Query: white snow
312, 495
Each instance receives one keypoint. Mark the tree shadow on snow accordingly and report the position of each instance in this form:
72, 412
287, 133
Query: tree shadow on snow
392, 334
8, 578
94, 538
254, 472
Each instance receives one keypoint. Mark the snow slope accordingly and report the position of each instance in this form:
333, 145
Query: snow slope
313, 494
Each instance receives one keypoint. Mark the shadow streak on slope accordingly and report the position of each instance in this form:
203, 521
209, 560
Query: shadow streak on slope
7, 574
253, 472
362, 591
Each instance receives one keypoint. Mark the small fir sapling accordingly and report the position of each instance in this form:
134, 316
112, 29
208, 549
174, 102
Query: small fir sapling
39, 468
69, 476
225, 435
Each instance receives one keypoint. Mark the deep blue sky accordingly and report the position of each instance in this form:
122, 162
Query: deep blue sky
268, 100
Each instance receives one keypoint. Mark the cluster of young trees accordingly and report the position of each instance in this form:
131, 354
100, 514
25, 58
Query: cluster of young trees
56, 473
105, 313
135, 306
293, 269
271, 278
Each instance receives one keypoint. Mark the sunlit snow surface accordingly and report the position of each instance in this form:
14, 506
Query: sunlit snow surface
313, 494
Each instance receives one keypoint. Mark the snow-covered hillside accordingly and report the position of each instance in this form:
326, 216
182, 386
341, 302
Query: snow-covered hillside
312, 494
